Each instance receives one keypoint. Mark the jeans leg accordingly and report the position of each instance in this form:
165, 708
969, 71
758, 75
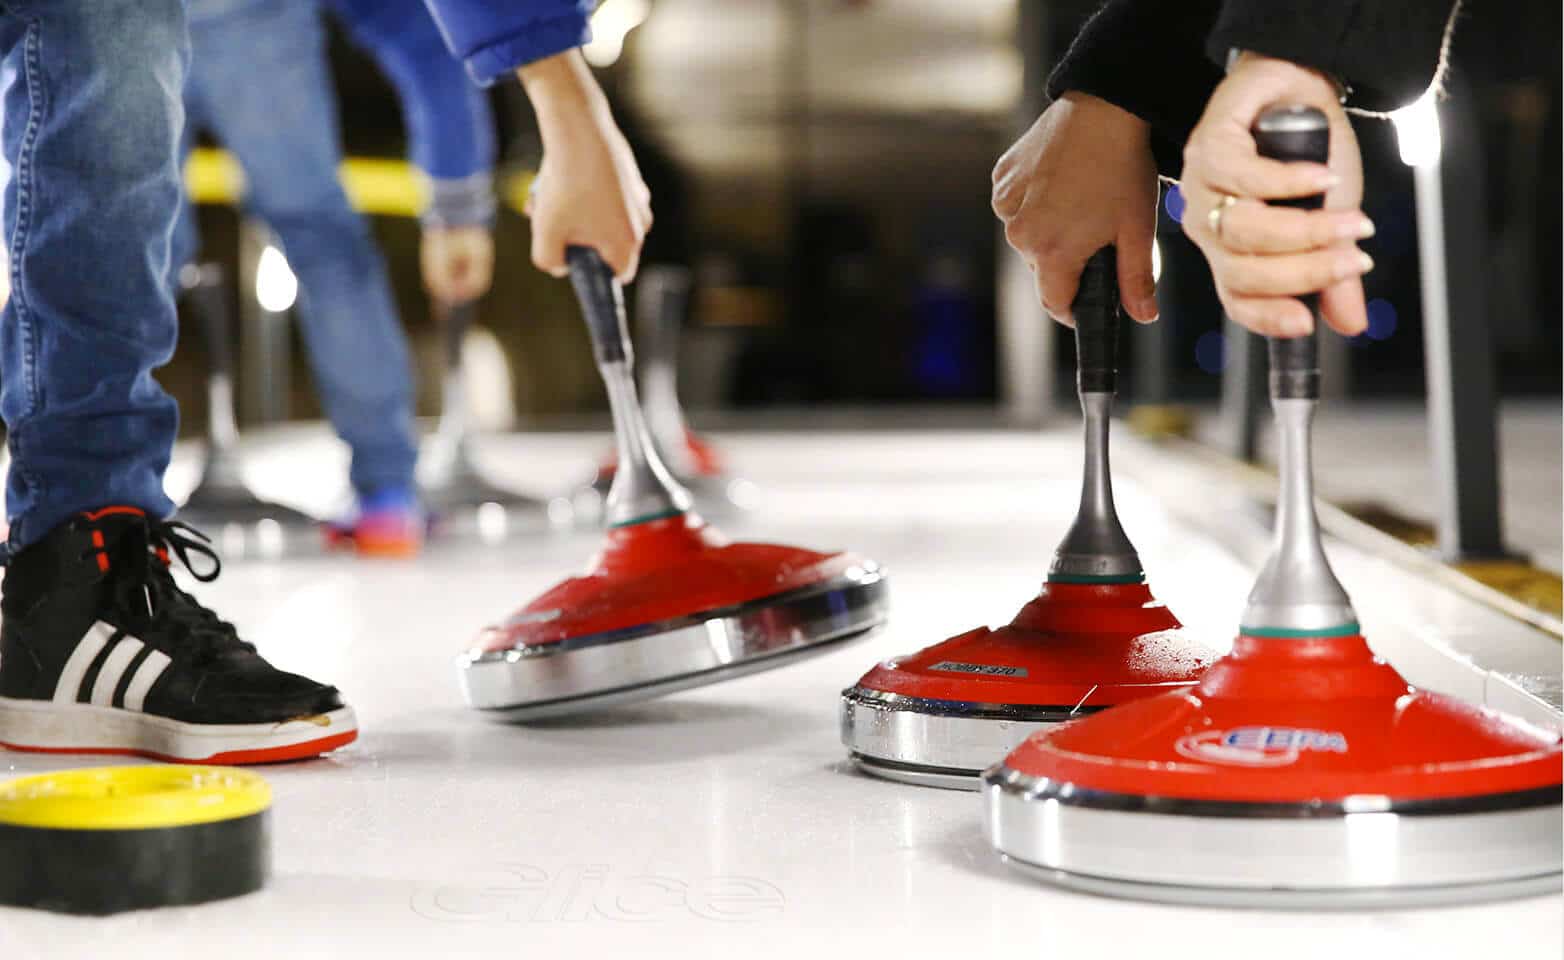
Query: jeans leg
92, 117
186, 243
356, 346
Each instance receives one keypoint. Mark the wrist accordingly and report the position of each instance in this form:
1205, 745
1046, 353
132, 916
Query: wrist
562, 90
1109, 113
1330, 85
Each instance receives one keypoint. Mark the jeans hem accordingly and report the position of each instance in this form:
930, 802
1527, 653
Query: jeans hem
18, 535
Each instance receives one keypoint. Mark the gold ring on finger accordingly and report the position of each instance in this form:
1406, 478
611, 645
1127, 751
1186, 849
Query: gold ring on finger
1214, 218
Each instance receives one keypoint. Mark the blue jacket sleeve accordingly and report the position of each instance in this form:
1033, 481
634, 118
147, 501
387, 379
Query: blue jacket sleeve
494, 37
450, 128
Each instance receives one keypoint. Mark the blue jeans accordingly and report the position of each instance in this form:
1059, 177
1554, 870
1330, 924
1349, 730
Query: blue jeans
90, 132
259, 82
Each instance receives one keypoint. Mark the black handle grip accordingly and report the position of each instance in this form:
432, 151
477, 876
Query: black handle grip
454, 320
602, 304
1096, 313
1295, 135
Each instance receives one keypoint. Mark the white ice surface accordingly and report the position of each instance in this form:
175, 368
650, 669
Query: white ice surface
724, 821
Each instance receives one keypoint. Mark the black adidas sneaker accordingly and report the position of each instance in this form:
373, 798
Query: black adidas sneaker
101, 652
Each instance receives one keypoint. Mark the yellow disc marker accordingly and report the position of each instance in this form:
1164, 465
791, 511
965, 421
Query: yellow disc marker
108, 839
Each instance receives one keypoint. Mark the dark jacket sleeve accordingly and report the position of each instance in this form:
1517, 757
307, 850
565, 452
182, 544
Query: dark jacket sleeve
494, 37
1146, 56
1387, 50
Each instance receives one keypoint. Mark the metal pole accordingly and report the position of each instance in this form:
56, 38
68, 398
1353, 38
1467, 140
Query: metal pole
1463, 404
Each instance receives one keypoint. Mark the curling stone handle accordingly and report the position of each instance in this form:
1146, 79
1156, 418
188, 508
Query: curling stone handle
602, 304
1297, 594
1096, 313
455, 319
1295, 134
643, 490
1096, 550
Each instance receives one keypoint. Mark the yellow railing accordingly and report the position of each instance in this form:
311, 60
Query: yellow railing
377, 186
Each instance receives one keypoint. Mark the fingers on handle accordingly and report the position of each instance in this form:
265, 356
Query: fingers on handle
548, 249
1232, 166
1058, 279
1044, 299
1343, 307
1290, 274
1249, 227
1268, 316
623, 257
1137, 284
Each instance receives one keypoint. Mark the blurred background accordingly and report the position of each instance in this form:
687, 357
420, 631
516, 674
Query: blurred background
823, 168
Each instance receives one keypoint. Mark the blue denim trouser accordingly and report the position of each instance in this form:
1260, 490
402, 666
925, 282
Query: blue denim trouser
259, 82
91, 127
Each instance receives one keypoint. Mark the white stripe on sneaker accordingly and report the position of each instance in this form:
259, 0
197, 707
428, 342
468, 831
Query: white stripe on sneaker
87, 650
142, 680
113, 669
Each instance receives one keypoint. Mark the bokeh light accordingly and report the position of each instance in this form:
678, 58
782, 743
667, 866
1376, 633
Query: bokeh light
275, 285
1381, 319
1173, 203
1211, 351
1417, 130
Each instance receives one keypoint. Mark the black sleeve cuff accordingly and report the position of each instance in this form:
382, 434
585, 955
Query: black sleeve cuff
1145, 56
1388, 51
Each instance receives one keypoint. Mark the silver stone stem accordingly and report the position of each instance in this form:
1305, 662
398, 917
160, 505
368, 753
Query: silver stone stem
1096, 545
664, 289
664, 418
222, 430
643, 488
442, 455
1297, 593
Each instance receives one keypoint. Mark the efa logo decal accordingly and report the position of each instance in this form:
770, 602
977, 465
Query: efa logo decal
1259, 746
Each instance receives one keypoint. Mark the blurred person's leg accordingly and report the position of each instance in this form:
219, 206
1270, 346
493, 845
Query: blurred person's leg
259, 81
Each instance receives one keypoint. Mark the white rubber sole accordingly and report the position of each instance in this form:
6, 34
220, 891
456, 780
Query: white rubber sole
48, 727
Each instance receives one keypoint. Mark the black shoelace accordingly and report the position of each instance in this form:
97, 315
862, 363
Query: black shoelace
150, 581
